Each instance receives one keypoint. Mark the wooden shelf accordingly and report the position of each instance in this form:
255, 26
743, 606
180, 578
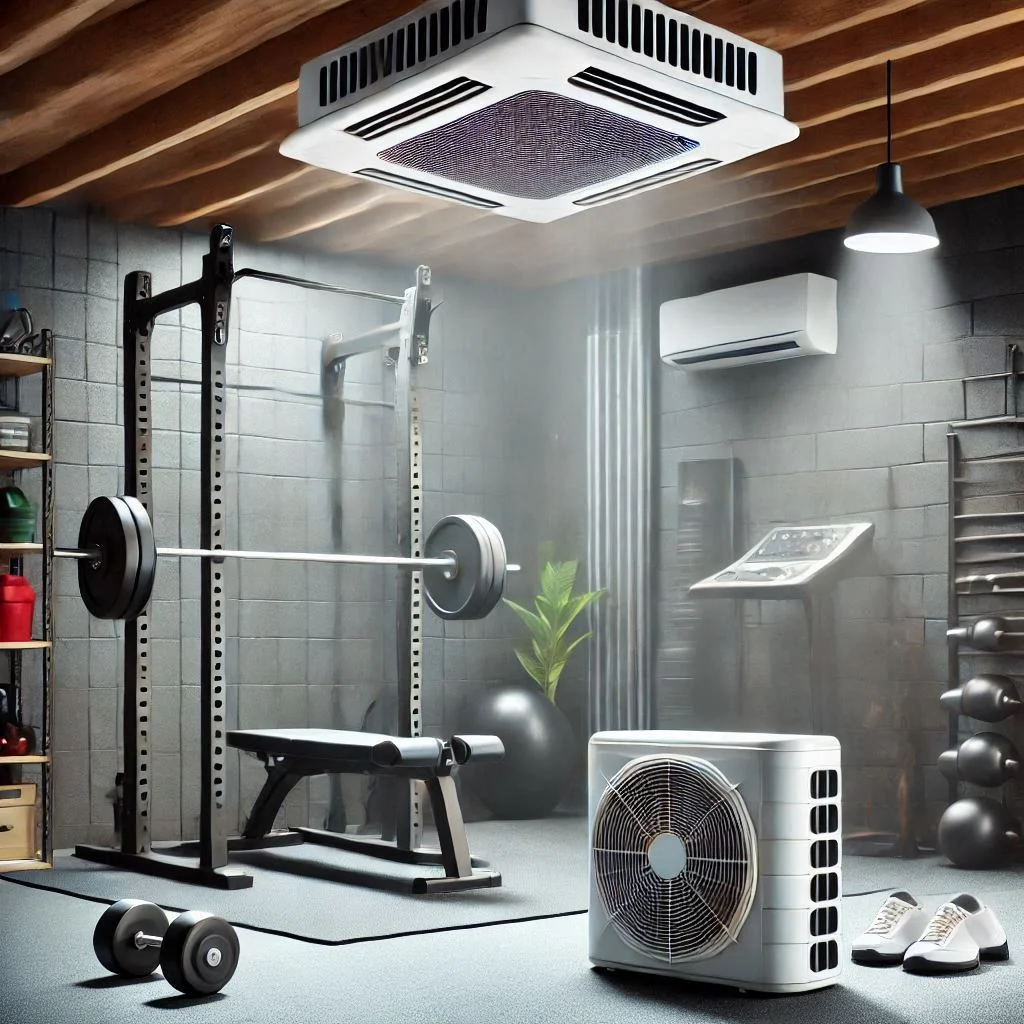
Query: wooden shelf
26, 759
7, 548
24, 865
22, 366
21, 460
25, 645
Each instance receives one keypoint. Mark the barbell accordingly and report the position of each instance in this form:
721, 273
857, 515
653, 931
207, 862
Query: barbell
464, 564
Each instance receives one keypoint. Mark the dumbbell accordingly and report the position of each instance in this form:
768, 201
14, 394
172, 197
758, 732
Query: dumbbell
987, 698
985, 759
196, 952
988, 634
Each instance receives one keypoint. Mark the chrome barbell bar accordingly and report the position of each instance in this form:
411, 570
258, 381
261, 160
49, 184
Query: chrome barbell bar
221, 554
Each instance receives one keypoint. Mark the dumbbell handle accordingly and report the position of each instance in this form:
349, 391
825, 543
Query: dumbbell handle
144, 941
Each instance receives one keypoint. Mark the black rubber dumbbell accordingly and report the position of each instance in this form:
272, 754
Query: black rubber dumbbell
196, 952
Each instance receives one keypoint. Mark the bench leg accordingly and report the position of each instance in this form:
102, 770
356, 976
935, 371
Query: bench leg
451, 829
281, 780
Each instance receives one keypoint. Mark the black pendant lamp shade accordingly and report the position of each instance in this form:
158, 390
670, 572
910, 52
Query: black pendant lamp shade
890, 221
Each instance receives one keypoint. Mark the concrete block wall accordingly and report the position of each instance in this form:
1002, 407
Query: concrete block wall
859, 435
308, 644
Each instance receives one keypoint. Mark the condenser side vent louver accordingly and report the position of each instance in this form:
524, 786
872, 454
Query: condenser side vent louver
662, 178
670, 41
425, 105
427, 187
645, 98
414, 42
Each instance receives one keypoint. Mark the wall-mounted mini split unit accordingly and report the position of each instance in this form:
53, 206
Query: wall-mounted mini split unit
537, 109
753, 323
715, 857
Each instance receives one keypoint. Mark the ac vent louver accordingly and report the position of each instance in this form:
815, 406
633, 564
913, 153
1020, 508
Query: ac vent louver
670, 41
662, 178
636, 95
427, 187
425, 105
414, 42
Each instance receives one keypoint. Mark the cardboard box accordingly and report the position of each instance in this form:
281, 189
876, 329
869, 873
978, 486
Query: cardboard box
18, 822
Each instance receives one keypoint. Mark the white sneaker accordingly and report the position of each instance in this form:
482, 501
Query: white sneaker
899, 923
962, 933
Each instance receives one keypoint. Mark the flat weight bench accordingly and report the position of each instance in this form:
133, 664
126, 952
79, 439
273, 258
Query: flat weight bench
293, 754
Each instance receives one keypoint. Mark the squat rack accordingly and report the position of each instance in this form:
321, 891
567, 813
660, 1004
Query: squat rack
212, 293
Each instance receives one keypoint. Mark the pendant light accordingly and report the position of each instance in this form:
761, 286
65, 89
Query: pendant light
890, 221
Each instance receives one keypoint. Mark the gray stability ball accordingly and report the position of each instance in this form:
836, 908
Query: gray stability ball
534, 775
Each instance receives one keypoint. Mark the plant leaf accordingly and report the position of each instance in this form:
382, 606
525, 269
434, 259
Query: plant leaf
573, 609
535, 671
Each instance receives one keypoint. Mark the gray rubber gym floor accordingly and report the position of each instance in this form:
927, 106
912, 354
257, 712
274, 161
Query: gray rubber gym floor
519, 973
300, 891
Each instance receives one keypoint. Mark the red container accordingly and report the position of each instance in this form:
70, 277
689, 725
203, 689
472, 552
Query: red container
17, 602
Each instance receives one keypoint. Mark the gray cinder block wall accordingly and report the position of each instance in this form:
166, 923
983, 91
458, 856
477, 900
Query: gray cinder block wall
309, 644
860, 435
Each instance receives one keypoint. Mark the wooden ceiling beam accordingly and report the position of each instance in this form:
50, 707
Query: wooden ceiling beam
98, 75
217, 190
917, 30
228, 144
32, 28
923, 74
321, 211
206, 103
782, 24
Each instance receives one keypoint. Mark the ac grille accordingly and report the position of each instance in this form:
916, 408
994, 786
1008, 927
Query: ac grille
753, 350
824, 921
671, 41
824, 784
824, 956
662, 178
425, 105
537, 145
824, 818
645, 98
429, 188
824, 853
825, 888
417, 40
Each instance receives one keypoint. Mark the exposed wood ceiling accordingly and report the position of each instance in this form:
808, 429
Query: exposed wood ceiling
170, 112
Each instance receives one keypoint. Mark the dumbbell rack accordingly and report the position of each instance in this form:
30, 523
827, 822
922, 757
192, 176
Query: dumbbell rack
985, 535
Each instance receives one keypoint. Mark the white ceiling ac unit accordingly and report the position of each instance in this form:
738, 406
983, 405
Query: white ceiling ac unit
537, 109
753, 323
715, 857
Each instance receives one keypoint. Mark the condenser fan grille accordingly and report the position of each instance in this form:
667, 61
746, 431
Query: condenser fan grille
538, 145
675, 857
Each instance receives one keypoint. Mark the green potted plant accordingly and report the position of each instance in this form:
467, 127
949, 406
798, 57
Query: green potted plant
539, 743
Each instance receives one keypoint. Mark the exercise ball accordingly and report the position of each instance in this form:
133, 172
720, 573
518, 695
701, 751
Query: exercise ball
535, 773
978, 832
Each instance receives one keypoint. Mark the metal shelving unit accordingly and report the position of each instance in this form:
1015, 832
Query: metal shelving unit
39, 765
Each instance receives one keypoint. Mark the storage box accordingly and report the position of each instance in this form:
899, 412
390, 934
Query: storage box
18, 821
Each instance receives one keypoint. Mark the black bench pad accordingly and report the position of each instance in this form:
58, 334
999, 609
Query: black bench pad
335, 746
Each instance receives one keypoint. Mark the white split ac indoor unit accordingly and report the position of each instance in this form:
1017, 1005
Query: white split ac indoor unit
715, 857
752, 323
537, 109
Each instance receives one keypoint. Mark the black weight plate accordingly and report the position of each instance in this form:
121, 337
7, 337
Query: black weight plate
107, 586
461, 596
114, 938
478, 607
499, 559
199, 954
146, 576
